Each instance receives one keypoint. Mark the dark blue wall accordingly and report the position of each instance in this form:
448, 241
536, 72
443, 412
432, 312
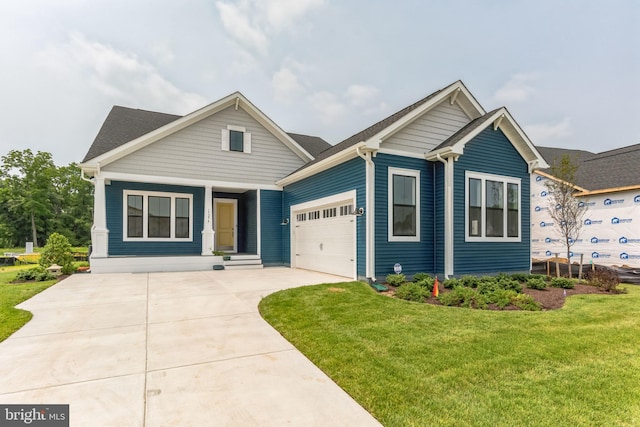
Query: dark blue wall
490, 152
414, 257
273, 234
344, 177
114, 200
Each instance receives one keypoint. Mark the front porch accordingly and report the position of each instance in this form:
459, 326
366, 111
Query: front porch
153, 264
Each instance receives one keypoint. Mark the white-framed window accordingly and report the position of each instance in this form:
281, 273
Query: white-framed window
404, 205
157, 216
492, 208
236, 138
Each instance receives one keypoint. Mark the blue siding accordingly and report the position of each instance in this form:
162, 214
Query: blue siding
114, 201
272, 233
439, 213
490, 152
414, 257
344, 177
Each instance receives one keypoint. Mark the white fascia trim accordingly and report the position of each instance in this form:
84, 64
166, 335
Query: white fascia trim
189, 119
338, 158
401, 153
445, 153
169, 180
329, 200
456, 88
534, 159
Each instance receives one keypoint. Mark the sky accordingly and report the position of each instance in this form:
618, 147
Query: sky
568, 71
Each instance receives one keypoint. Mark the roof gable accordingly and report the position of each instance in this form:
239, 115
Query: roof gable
111, 144
500, 119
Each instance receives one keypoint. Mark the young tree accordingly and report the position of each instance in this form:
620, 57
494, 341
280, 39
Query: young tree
565, 209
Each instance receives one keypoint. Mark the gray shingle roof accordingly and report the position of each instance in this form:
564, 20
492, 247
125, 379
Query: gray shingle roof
123, 125
126, 124
609, 169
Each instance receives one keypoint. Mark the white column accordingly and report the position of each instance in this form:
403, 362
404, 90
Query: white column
99, 232
207, 229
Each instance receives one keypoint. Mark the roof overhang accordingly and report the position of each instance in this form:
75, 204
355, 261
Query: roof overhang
500, 119
574, 186
236, 100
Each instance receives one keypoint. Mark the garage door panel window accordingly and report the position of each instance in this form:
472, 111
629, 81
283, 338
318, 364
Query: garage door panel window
404, 205
492, 207
156, 216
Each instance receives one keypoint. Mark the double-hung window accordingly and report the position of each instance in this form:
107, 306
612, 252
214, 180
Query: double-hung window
404, 205
156, 216
236, 138
493, 208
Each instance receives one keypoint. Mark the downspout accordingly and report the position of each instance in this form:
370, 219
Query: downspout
369, 214
448, 215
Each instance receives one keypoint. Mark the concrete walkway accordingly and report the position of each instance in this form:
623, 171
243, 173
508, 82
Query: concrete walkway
170, 349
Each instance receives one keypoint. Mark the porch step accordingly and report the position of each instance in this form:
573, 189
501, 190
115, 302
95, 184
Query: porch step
243, 262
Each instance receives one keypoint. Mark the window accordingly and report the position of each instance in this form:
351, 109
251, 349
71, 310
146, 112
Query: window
404, 205
492, 207
157, 216
236, 138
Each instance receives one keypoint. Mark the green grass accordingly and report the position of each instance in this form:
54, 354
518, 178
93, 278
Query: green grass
11, 318
413, 364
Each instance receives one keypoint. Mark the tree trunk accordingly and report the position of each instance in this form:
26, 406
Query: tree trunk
33, 230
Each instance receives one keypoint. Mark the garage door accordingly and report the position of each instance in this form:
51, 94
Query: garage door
324, 239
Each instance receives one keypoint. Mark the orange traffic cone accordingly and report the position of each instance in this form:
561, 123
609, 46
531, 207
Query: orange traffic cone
436, 291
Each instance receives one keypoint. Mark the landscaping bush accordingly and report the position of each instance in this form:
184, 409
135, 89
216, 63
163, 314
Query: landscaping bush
411, 291
37, 274
520, 277
562, 282
396, 279
604, 279
502, 297
486, 287
509, 284
462, 296
525, 302
470, 281
452, 283
58, 251
419, 277
426, 282
536, 283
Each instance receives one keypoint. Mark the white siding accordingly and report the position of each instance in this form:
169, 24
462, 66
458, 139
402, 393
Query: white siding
429, 130
196, 152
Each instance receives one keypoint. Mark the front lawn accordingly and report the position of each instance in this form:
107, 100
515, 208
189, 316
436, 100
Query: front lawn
413, 364
11, 318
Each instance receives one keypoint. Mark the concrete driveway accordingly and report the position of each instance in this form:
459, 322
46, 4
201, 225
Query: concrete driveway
170, 349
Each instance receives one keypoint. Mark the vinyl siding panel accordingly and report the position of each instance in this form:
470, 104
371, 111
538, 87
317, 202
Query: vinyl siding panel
114, 203
429, 130
414, 257
196, 152
490, 152
439, 218
273, 235
344, 177
249, 223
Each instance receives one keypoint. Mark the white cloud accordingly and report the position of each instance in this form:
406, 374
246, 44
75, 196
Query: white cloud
282, 14
544, 133
517, 89
120, 76
163, 52
364, 98
328, 108
286, 85
238, 21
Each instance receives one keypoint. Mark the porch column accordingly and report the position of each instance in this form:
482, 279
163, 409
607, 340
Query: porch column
207, 229
99, 231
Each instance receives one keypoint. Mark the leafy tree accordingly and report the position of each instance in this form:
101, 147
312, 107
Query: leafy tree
565, 209
57, 251
75, 210
27, 194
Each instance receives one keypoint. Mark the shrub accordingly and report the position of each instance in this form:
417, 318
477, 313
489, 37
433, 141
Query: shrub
536, 283
470, 281
419, 277
37, 274
509, 284
426, 283
396, 279
58, 251
463, 296
604, 279
486, 287
562, 282
411, 291
525, 302
452, 283
502, 297
520, 277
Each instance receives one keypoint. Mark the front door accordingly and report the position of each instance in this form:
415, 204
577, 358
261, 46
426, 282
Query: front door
225, 224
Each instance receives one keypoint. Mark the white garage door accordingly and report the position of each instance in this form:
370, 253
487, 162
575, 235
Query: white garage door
324, 239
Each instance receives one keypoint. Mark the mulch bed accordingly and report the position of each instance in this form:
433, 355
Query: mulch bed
549, 299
